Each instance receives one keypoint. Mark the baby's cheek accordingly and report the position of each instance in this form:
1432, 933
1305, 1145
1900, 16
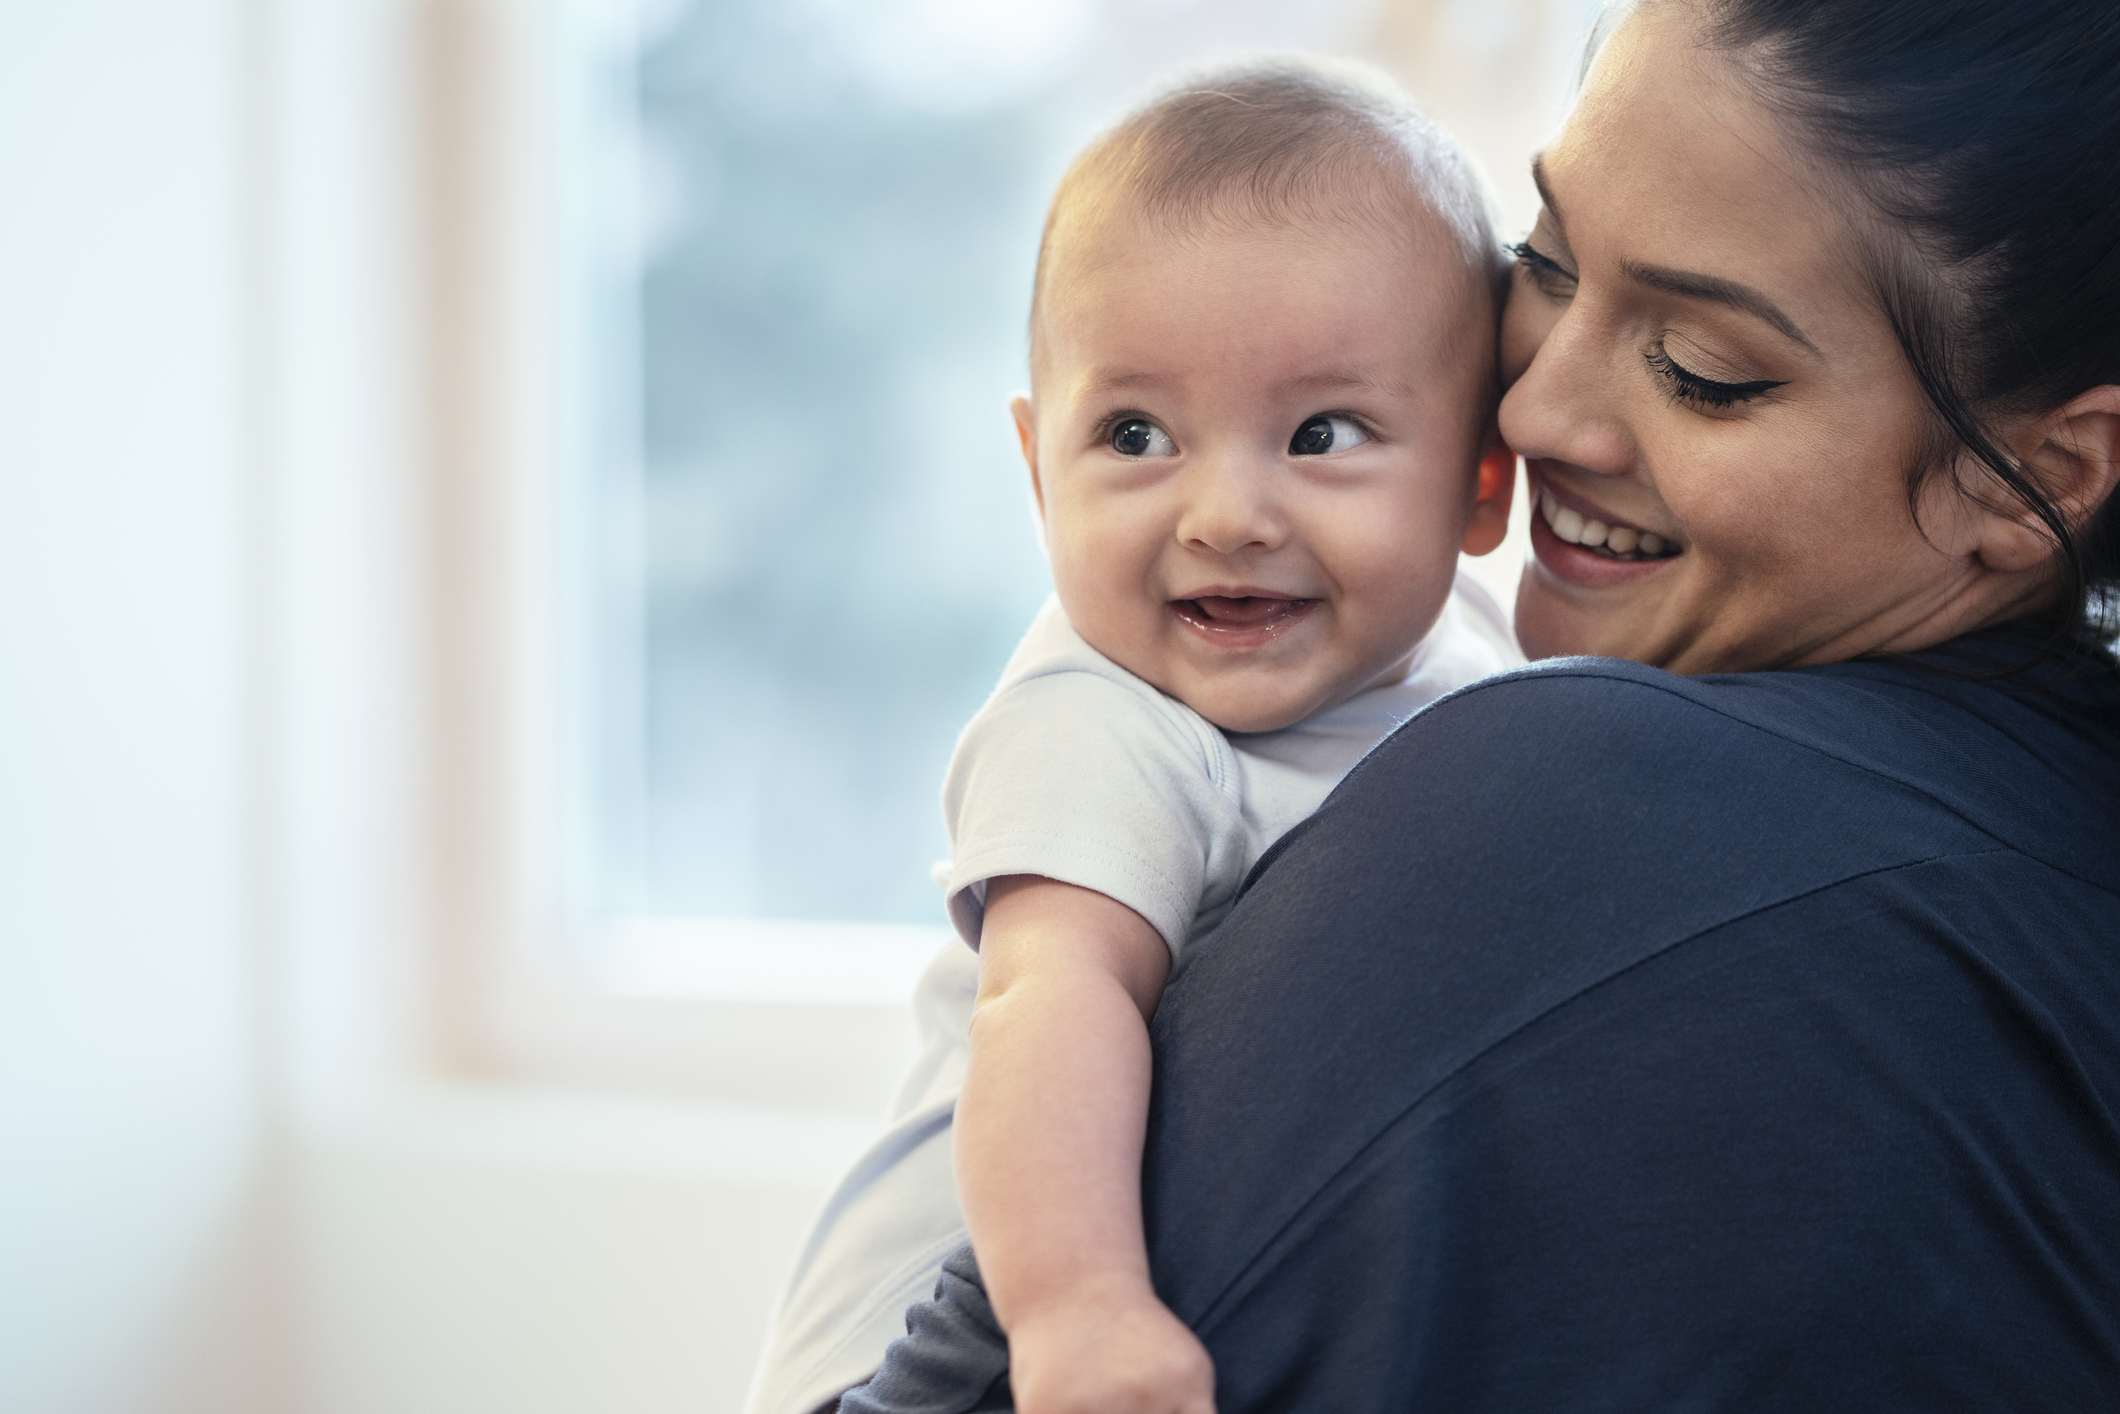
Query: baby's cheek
1111, 611
1412, 539
1407, 567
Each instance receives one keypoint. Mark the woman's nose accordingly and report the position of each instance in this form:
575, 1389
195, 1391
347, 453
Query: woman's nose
1230, 508
1561, 409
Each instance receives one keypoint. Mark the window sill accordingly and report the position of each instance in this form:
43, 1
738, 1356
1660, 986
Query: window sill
763, 961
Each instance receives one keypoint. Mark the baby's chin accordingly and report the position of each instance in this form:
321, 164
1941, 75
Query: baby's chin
1270, 699
1248, 709
1257, 699
1251, 723
1271, 688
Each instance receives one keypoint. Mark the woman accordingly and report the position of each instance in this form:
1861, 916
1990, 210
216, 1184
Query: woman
1753, 1040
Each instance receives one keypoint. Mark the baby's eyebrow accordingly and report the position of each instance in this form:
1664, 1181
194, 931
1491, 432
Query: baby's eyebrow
1336, 380
1324, 380
1111, 380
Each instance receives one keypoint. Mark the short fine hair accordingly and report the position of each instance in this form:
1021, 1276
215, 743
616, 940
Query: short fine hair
1274, 141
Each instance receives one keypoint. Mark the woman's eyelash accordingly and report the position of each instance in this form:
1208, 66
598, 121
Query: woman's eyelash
1541, 266
1689, 387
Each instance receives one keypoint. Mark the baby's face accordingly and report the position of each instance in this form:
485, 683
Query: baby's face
1255, 455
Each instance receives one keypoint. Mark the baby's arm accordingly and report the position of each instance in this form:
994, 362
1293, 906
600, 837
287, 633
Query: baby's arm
1049, 1133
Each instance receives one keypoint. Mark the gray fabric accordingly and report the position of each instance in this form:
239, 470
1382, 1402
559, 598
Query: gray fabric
1615, 1041
952, 1360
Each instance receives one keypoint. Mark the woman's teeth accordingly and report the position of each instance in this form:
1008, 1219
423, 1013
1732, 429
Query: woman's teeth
1614, 542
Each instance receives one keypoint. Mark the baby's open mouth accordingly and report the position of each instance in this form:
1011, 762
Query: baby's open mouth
1611, 542
1224, 612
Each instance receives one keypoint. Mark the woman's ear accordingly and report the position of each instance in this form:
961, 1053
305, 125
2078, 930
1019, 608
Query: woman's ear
1489, 522
1019, 407
2074, 454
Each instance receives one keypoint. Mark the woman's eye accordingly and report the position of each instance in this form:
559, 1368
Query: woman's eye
1695, 391
1545, 272
1138, 437
1325, 434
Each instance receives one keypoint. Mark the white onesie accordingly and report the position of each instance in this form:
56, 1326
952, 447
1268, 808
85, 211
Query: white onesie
1079, 771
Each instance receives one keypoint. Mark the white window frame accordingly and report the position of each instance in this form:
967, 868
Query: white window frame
804, 1015
808, 1016
527, 984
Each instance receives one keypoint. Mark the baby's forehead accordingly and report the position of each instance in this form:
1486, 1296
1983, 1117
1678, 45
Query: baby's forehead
1355, 213
1391, 239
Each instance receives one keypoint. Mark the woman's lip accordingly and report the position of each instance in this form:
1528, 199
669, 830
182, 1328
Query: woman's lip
1588, 510
1579, 566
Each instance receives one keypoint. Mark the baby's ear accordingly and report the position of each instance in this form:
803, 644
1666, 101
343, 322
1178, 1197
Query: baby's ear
1489, 521
1019, 407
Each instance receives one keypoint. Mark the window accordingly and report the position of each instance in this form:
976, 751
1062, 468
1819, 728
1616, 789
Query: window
794, 543
811, 545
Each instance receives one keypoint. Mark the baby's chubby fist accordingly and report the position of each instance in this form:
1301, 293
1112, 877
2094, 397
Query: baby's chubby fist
1107, 1346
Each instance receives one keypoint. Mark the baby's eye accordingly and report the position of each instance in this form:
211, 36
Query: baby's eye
1325, 434
1138, 437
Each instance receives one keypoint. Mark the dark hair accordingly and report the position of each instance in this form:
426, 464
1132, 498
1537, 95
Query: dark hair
1987, 132
1275, 139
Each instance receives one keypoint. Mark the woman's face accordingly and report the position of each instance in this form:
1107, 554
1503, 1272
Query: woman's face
1703, 382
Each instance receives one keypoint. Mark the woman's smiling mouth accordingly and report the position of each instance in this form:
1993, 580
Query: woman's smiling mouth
1608, 541
1241, 620
1584, 545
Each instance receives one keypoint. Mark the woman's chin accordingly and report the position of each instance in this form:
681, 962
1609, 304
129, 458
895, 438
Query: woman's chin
1546, 626
1557, 619
1573, 602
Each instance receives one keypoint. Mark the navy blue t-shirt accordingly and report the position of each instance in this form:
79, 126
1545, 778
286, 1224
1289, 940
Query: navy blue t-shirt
1613, 1040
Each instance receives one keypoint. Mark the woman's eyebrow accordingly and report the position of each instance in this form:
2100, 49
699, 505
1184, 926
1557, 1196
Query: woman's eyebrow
1545, 193
1684, 282
1717, 290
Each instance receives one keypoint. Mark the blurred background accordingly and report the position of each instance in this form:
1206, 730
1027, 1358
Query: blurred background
504, 505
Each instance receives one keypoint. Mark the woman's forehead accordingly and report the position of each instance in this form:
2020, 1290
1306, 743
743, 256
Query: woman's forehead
1660, 108
1668, 163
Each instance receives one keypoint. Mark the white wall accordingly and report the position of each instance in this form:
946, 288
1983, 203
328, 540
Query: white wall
228, 1182
471, 1250
456, 1247
131, 1271
225, 1185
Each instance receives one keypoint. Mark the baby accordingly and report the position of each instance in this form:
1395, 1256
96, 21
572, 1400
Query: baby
1260, 431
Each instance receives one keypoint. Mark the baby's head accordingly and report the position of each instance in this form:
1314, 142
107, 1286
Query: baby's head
1263, 385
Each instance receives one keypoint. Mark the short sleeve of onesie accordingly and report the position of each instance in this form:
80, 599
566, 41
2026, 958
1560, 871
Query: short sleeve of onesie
1078, 771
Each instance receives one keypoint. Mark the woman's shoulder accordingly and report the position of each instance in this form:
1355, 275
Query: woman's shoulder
2034, 768
1608, 710
1898, 718
1825, 706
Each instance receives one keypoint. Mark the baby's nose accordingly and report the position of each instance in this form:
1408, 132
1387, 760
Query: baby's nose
1231, 509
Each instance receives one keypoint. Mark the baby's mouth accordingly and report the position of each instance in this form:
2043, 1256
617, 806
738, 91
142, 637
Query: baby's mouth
1224, 613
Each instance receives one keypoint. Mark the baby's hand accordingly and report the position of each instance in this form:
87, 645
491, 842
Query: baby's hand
1108, 1347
